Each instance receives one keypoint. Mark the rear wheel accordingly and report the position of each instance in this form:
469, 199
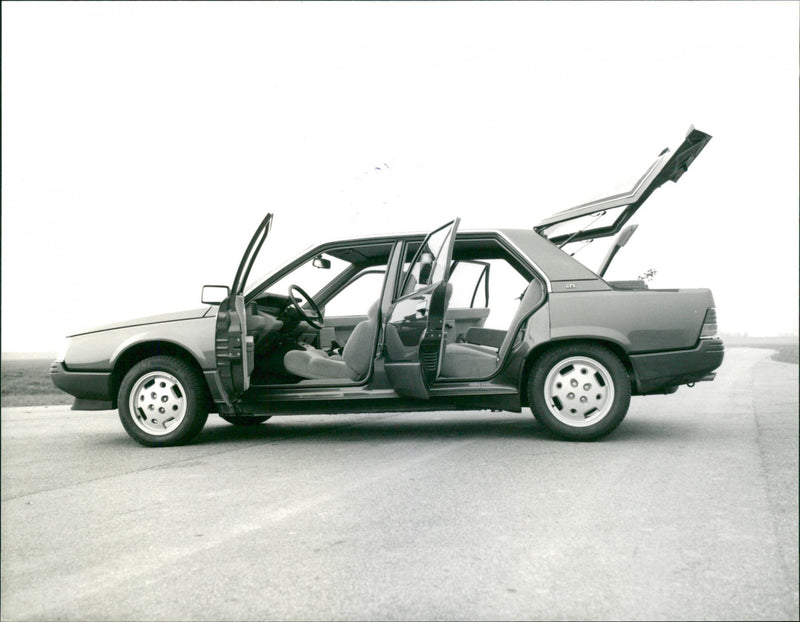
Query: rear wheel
579, 391
162, 402
245, 421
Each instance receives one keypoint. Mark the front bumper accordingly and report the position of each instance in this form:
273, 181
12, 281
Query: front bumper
92, 389
658, 372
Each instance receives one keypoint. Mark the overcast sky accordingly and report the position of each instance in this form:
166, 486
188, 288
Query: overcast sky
143, 142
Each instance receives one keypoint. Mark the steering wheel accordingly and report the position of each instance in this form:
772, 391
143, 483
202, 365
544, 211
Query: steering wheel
315, 319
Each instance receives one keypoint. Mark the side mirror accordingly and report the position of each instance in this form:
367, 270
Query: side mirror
321, 262
214, 294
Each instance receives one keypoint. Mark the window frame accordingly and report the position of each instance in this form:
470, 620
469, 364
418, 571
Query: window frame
356, 277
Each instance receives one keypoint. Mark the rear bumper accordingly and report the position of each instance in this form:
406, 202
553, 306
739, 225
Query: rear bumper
656, 373
92, 389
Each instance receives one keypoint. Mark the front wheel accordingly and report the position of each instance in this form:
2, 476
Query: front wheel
162, 402
579, 392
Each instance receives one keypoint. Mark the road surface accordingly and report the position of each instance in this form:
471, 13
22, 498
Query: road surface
689, 511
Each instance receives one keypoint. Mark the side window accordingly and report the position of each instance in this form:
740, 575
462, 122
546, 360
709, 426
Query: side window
439, 243
505, 288
429, 264
357, 296
470, 280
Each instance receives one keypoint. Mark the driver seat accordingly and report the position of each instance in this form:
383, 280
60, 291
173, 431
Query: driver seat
354, 362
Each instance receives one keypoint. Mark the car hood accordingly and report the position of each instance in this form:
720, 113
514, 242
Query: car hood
152, 319
605, 217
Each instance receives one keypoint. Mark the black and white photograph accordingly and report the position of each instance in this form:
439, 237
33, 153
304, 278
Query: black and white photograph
400, 310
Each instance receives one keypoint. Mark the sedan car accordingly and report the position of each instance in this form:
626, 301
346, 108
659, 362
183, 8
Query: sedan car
448, 320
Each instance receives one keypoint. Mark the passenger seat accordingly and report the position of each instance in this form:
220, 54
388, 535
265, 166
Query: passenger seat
469, 360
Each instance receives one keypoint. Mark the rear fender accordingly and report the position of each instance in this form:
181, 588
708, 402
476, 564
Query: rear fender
637, 321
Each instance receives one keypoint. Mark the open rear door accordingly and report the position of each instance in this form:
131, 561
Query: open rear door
414, 335
234, 349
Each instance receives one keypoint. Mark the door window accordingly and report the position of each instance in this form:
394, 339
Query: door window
357, 296
491, 282
430, 263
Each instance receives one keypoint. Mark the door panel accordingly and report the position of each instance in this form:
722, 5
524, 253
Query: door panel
433, 339
233, 347
414, 331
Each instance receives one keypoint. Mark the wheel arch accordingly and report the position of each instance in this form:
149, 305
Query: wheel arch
540, 349
142, 350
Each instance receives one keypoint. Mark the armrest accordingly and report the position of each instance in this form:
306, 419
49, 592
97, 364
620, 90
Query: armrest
492, 337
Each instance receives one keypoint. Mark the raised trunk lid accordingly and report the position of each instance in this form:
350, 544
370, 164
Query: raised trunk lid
605, 217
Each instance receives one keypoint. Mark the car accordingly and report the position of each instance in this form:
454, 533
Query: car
445, 320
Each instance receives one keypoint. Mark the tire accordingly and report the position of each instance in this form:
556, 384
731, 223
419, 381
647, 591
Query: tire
162, 402
245, 421
580, 392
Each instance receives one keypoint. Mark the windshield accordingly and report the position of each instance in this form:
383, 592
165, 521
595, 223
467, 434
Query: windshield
626, 184
310, 276
316, 271
269, 261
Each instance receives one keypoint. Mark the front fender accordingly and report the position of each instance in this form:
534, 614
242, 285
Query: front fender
100, 351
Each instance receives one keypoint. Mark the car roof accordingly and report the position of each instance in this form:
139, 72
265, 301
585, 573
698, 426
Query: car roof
554, 263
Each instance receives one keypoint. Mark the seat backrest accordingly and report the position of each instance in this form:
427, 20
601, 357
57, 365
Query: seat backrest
357, 352
531, 299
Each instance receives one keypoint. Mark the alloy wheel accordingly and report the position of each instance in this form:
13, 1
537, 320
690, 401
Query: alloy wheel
579, 391
158, 403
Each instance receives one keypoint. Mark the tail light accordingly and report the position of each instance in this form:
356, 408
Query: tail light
709, 330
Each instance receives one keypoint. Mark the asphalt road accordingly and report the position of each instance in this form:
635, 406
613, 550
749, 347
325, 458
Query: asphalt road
689, 511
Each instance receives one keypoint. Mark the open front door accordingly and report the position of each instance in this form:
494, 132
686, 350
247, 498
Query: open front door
414, 335
234, 349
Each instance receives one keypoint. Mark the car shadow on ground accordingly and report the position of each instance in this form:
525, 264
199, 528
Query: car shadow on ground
391, 428
388, 428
